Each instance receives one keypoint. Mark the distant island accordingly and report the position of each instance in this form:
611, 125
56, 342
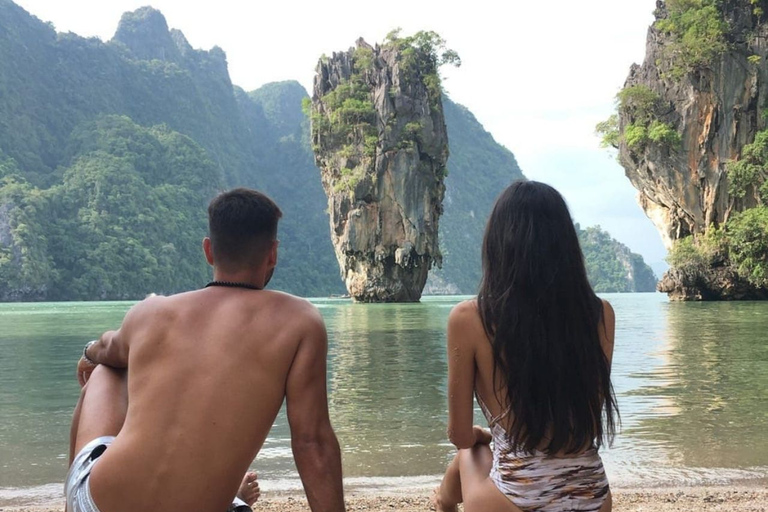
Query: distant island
110, 151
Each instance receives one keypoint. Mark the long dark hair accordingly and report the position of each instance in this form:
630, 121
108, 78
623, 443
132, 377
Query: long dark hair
542, 317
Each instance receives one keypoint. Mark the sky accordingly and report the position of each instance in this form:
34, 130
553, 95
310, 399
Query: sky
537, 74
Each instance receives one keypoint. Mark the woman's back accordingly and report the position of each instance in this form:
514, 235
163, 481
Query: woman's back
490, 380
535, 349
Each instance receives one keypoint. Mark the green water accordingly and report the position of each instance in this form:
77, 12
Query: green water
692, 382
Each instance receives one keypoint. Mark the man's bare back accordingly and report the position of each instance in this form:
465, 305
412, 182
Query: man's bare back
207, 372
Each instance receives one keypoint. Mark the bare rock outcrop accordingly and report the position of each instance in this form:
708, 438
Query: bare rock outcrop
380, 142
715, 109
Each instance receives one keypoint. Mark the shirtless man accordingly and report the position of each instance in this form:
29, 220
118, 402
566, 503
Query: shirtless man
190, 384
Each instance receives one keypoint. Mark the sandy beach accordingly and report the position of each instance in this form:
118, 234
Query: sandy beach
752, 498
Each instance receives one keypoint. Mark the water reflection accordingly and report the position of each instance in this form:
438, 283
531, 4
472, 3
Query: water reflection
387, 387
716, 378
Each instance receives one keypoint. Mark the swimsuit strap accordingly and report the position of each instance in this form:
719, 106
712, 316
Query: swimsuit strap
492, 420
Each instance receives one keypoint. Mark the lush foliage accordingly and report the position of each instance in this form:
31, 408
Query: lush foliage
611, 266
421, 56
345, 117
741, 244
640, 104
663, 134
126, 218
697, 31
609, 133
54, 86
750, 173
747, 234
635, 135
426, 43
699, 253
758, 7
348, 118
638, 101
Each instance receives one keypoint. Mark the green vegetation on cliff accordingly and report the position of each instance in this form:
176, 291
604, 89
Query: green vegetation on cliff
750, 172
345, 115
742, 244
697, 34
747, 236
421, 56
643, 106
702, 74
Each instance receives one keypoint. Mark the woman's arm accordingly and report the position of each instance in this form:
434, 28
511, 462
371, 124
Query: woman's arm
607, 330
461, 378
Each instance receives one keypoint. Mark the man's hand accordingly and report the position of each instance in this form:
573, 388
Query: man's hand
84, 370
482, 436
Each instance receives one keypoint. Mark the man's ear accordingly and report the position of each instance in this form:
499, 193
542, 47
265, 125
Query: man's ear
273, 253
208, 250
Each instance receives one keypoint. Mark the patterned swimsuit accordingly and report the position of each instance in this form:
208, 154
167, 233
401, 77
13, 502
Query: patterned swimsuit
537, 481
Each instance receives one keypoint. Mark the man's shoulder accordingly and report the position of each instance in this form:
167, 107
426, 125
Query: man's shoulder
298, 309
286, 300
149, 304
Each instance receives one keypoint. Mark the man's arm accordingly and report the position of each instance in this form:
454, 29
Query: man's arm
315, 447
111, 349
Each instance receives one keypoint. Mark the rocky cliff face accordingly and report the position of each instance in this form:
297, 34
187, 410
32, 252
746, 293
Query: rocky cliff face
380, 141
715, 108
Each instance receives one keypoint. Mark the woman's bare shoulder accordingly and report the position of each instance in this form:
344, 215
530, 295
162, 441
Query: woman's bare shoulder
465, 312
465, 320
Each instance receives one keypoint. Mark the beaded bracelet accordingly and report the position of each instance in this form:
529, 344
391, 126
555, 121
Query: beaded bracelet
85, 352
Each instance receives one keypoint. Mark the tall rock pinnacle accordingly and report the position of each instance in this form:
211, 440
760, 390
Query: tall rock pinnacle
380, 142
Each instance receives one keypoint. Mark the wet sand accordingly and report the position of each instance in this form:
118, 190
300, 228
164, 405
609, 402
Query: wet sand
752, 498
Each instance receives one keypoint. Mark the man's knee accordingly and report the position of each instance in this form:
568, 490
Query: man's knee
107, 372
105, 377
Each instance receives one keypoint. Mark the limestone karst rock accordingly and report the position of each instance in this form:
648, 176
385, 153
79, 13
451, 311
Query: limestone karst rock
380, 142
704, 111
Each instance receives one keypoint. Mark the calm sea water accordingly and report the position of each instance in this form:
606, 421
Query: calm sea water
691, 379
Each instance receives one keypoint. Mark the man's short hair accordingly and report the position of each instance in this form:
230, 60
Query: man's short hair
242, 225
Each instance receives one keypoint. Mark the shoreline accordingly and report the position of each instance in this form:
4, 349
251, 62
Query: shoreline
744, 497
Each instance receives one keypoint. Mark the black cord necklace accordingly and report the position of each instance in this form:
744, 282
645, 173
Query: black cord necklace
230, 284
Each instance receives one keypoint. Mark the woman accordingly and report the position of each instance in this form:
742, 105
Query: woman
535, 348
